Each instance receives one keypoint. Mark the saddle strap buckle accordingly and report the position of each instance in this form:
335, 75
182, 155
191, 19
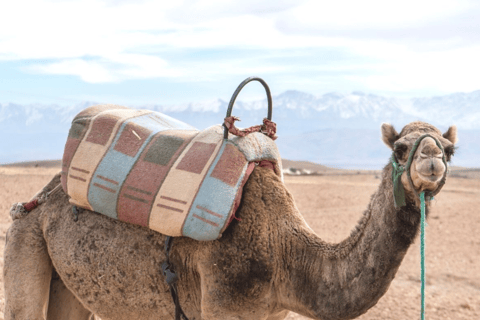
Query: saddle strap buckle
170, 275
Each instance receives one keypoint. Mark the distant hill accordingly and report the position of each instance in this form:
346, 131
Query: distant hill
36, 164
333, 129
297, 167
307, 165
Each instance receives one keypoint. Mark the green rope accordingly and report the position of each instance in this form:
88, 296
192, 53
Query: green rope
422, 253
399, 197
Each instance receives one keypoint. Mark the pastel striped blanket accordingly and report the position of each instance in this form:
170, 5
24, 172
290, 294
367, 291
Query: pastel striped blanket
146, 168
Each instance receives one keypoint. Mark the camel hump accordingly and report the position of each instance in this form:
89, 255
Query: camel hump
149, 169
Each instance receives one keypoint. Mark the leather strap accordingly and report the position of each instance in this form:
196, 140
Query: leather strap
172, 278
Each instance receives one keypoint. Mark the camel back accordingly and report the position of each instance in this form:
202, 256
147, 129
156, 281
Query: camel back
146, 168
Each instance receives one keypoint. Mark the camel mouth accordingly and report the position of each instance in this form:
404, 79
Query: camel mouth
430, 177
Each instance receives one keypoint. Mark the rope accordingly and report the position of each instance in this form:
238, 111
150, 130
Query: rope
399, 197
21, 209
422, 254
269, 127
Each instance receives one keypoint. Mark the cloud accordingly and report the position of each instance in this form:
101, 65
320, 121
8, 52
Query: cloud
447, 71
109, 69
367, 14
408, 20
194, 11
74, 29
393, 46
88, 71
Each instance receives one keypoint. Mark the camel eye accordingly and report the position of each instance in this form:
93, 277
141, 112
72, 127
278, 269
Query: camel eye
400, 150
449, 152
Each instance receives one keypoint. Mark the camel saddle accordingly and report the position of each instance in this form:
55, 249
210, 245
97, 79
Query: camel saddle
149, 169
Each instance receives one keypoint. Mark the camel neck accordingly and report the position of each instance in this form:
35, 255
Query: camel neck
344, 280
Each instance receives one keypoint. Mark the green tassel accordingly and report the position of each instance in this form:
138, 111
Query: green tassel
398, 190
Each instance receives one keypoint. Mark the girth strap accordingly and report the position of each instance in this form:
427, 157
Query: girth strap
172, 278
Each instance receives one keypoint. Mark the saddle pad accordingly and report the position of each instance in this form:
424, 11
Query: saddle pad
146, 168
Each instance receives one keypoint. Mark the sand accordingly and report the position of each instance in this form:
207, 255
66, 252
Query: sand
332, 204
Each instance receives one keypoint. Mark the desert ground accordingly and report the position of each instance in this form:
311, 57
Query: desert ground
332, 204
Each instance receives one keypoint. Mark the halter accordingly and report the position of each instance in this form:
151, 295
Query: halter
398, 169
399, 196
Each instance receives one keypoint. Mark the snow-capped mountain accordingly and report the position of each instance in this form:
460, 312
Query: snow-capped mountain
334, 128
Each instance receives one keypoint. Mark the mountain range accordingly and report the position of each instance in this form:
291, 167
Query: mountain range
334, 129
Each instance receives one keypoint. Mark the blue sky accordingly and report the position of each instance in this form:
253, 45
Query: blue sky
169, 52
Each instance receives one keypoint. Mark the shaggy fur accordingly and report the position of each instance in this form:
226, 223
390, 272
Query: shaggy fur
264, 265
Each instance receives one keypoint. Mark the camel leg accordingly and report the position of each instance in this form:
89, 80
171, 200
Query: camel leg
27, 271
63, 304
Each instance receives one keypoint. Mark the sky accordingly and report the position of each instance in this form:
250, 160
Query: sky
172, 52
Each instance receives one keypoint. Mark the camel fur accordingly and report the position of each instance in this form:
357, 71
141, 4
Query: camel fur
263, 266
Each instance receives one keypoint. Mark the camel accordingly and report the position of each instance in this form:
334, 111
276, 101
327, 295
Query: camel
264, 266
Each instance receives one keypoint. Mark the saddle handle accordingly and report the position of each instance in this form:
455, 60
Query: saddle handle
235, 94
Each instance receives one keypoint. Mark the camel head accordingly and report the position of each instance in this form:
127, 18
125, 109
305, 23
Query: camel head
428, 162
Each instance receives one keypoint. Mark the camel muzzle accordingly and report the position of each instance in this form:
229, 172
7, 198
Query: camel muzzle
432, 168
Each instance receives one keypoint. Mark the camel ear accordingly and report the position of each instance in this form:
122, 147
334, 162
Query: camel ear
451, 134
389, 135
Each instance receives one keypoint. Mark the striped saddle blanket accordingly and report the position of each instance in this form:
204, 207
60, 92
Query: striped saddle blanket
146, 168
